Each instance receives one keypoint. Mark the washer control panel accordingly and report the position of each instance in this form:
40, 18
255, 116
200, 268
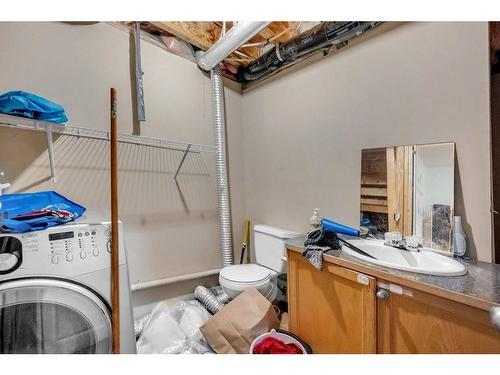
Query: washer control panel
68, 249
80, 244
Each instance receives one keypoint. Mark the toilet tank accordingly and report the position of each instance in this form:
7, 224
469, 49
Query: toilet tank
269, 246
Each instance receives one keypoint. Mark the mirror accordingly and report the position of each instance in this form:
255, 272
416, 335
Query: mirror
410, 189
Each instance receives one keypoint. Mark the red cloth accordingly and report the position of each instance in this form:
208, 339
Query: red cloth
272, 345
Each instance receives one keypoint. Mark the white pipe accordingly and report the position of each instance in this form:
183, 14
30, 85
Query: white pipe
230, 42
172, 280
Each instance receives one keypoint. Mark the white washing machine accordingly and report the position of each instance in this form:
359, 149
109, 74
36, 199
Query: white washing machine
55, 291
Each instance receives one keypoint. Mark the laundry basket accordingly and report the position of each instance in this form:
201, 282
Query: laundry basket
285, 337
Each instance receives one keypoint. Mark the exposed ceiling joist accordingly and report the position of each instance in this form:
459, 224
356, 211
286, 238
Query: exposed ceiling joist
258, 59
204, 34
199, 34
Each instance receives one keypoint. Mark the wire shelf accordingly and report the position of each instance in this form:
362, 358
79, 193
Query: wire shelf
36, 125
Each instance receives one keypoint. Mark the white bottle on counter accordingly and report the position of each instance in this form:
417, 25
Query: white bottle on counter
459, 239
315, 220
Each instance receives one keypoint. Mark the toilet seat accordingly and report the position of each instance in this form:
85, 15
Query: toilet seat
237, 278
246, 274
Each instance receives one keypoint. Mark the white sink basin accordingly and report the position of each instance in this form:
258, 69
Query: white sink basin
426, 262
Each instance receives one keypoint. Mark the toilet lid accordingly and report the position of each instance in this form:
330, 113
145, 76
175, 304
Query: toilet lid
245, 273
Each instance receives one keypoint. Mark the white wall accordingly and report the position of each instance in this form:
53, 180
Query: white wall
76, 66
418, 83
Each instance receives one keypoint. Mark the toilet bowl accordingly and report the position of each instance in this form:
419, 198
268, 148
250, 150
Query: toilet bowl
235, 279
270, 254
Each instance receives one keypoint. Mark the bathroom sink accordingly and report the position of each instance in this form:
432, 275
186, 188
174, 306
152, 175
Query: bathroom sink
425, 261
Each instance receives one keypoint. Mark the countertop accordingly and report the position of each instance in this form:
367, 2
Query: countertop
480, 287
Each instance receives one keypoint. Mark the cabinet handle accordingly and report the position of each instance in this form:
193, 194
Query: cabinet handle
495, 317
382, 294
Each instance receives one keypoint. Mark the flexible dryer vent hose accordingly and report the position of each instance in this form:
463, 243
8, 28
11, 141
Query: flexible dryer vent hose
224, 207
208, 299
213, 303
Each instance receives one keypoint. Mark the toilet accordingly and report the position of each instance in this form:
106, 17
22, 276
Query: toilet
270, 256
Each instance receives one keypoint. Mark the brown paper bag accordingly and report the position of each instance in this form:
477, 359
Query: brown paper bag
233, 329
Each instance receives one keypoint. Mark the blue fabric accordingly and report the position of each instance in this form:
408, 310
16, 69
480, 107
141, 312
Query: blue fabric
14, 205
20, 103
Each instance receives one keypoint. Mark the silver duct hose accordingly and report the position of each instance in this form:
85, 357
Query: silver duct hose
208, 299
211, 301
218, 108
223, 298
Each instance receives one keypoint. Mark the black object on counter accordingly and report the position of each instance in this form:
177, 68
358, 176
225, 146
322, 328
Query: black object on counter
317, 242
356, 249
322, 238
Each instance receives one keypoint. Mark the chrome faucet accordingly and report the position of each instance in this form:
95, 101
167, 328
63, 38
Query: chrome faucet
404, 244
394, 239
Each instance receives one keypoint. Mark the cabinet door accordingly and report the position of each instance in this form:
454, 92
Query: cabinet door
333, 310
418, 322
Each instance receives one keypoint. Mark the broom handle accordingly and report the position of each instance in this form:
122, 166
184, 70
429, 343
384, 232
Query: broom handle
115, 276
248, 240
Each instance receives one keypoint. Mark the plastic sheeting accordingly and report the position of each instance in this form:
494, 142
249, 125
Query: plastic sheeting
25, 104
174, 328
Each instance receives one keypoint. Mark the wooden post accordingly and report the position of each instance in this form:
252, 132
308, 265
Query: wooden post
115, 264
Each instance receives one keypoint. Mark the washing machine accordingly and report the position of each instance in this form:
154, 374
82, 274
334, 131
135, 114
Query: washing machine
55, 291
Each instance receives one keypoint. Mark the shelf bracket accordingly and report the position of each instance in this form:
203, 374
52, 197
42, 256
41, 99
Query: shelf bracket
53, 177
186, 151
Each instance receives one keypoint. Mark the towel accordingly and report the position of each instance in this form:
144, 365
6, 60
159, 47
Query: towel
319, 241
272, 345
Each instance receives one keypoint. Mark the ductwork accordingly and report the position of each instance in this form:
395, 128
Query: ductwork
240, 33
324, 35
208, 299
219, 117
210, 60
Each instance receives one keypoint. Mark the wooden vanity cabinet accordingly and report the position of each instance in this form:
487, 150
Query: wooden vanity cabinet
419, 322
337, 311
318, 310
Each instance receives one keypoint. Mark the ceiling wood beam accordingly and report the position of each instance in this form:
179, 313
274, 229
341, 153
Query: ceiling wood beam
199, 34
204, 34
276, 28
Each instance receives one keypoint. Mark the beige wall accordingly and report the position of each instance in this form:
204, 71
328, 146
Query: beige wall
299, 146
419, 83
75, 66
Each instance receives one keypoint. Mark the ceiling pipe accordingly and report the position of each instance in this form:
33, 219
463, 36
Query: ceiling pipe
324, 35
239, 34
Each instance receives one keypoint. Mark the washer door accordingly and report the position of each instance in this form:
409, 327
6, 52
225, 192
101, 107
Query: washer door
52, 316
